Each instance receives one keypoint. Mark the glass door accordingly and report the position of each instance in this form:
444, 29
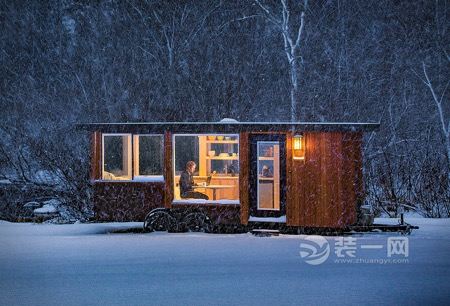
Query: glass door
268, 183
267, 175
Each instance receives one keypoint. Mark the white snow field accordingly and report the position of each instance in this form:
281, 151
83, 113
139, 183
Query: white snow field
42, 264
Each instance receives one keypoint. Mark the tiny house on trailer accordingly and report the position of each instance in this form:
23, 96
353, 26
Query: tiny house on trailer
298, 174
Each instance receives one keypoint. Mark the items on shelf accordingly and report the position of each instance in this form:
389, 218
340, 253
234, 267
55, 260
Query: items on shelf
221, 139
220, 154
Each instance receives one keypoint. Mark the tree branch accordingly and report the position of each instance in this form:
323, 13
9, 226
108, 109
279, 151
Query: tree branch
300, 29
82, 88
437, 102
270, 16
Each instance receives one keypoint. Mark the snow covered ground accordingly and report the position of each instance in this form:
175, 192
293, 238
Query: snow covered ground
42, 264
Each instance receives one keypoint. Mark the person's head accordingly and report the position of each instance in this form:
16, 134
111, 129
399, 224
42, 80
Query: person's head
190, 166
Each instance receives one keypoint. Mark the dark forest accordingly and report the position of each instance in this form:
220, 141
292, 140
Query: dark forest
69, 62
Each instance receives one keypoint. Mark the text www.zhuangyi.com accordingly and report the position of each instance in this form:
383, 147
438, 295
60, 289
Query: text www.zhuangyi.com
380, 261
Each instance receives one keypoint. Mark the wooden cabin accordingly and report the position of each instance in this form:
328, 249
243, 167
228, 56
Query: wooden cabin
300, 174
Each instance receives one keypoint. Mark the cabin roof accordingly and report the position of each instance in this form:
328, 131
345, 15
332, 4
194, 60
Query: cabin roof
226, 127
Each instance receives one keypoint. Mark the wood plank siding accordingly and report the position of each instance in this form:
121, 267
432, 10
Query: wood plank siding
126, 201
244, 175
96, 156
324, 189
168, 169
121, 201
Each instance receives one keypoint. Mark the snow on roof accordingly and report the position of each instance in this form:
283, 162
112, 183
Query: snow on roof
233, 122
228, 120
227, 126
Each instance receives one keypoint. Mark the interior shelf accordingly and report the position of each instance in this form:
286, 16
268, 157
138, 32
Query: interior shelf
265, 158
222, 157
222, 141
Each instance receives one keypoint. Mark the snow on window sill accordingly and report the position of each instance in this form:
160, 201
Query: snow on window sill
154, 178
205, 202
281, 219
136, 179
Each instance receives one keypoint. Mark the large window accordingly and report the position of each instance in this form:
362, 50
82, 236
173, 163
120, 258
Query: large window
116, 157
186, 149
145, 163
148, 156
216, 157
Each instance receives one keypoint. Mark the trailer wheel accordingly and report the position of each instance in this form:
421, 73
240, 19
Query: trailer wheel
159, 220
197, 222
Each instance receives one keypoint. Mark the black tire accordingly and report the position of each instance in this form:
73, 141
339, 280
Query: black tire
159, 219
197, 222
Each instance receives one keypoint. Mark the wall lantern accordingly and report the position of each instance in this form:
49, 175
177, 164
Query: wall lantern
298, 147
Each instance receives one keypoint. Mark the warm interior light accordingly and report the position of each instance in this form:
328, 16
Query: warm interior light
297, 142
298, 147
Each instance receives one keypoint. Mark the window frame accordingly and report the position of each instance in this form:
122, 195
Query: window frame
147, 178
198, 201
130, 162
258, 195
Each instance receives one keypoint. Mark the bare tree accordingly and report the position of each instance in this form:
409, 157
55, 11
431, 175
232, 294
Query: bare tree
118, 61
291, 46
444, 122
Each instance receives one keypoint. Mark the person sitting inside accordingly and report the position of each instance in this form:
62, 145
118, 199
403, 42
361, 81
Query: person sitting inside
187, 181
